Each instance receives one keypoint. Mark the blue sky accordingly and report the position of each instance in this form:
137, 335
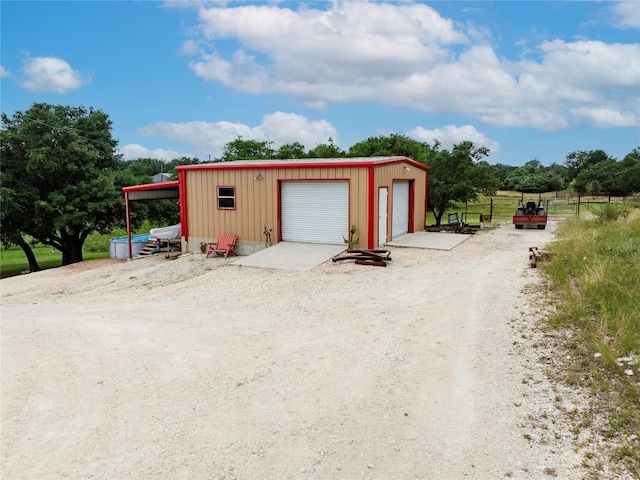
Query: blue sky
528, 80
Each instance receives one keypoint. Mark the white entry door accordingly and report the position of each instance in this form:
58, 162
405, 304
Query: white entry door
315, 211
383, 195
400, 209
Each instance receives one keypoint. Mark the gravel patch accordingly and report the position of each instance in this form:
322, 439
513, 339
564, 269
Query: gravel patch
196, 368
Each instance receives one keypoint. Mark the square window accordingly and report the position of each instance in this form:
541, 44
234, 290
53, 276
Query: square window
226, 198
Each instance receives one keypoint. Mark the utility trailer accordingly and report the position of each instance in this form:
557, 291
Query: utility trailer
531, 214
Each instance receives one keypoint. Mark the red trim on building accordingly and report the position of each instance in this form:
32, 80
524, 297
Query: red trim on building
292, 164
279, 208
372, 180
182, 191
426, 196
151, 186
412, 197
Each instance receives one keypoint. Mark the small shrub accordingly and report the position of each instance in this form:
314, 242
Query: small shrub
610, 212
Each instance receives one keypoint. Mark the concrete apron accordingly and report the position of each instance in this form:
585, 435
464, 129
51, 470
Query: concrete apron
434, 240
300, 257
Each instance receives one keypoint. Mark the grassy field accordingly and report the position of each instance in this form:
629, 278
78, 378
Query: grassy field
13, 260
506, 202
595, 275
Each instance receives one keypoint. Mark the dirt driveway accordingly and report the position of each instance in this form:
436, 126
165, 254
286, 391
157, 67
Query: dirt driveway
197, 369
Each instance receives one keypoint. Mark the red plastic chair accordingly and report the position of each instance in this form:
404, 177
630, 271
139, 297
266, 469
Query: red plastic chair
225, 245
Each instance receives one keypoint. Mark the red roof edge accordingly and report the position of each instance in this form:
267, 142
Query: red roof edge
151, 186
328, 163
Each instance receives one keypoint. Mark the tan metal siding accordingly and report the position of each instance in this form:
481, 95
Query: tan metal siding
384, 177
257, 200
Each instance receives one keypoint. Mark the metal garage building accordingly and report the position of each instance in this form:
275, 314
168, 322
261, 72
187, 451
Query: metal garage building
306, 200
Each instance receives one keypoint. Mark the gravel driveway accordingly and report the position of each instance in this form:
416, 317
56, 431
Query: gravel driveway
197, 369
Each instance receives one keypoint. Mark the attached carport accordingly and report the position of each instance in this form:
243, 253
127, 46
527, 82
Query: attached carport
148, 192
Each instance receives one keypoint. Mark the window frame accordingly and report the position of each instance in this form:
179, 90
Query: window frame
225, 197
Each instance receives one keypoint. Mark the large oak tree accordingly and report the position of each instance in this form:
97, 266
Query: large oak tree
58, 178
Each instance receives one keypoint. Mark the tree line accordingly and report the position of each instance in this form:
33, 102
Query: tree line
61, 177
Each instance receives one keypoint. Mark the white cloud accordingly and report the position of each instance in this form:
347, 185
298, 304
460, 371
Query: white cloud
409, 56
450, 135
134, 150
339, 45
209, 138
4, 72
51, 75
605, 117
625, 14
191, 48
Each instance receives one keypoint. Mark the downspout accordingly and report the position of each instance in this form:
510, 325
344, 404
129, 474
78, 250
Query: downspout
372, 203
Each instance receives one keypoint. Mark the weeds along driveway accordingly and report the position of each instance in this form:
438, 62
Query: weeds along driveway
196, 368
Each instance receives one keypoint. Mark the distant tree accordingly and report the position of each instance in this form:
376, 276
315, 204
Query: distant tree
615, 178
184, 161
240, 149
534, 174
58, 177
171, 165
139, 169
500, 172
557, 175
452, 176
579, 160
632, 158
531, 174
390, 145
486, 179
631, 164
291, 150
326, 150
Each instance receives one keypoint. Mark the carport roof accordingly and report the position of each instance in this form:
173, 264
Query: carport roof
153, 191
304, 163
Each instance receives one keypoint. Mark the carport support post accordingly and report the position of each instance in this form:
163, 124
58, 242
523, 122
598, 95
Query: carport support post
126, 206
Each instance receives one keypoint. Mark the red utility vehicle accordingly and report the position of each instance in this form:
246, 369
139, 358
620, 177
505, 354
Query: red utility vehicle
532, 213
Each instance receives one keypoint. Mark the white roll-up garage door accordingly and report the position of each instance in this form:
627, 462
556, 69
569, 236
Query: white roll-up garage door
400, 209
315, 212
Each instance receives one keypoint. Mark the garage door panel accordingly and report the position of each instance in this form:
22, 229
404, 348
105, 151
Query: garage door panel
315, 211
400, 209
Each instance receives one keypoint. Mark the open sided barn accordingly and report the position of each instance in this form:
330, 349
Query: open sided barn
306, 200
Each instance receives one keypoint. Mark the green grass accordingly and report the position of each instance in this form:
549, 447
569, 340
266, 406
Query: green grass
13, 260
595, 274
